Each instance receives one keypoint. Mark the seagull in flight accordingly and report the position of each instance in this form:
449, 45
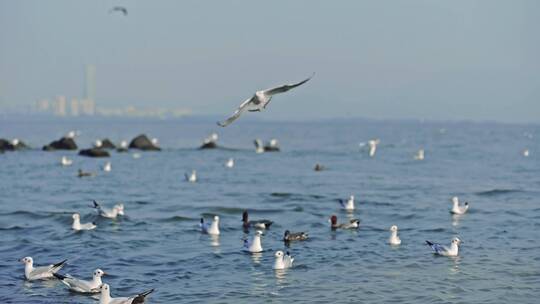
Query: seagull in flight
119, 9
260, 100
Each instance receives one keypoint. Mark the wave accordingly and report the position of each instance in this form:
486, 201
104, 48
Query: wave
296, 196
177, 218
495, 192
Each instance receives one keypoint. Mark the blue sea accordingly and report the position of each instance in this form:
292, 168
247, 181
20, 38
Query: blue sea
158, 243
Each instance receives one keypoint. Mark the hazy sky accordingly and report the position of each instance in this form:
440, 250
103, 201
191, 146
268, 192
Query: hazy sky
376, 59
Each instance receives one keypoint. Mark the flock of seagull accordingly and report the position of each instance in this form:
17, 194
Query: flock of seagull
283, 260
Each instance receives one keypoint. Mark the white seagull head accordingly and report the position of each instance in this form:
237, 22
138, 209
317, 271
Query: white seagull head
393, 228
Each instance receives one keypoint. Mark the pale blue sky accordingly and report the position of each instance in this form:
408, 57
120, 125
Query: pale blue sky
377, 59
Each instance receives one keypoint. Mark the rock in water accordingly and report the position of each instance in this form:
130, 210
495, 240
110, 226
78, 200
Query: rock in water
142, 142
94, 152
64, 143
107, 144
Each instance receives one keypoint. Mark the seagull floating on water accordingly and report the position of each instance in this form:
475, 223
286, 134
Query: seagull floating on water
259, 224
107, 167
106, 298
259, 147
319, 167
352, 224
192, 178
373, 146
255, 245
394, 238
229, 163
294, 236
32, 273
456, 208
439, 249
260, 101
78, 226
348, 205
526, 153
282, 261
213, 229
112, 213
419, 155
83, 286
66, 161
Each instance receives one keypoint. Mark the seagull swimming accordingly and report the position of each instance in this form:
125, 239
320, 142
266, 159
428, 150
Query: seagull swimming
83, 286
348, 205
32, 273
294, 236
394, 238
66, 161
439, 249
98, 143
282, 261
118, 209
419, 155
213, 229
106, 298
260, 101
77, 226
456, 208
107, 167
230, 163
259, 147
255, 245
526, 153
352, 224
259, 224
192, 178
373, 146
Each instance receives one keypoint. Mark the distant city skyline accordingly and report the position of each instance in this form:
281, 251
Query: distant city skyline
435, 60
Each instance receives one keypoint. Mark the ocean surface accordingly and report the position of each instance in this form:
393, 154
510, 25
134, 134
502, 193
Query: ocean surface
158, 243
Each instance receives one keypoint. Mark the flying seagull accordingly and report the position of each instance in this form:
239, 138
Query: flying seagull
260, 100
119, 9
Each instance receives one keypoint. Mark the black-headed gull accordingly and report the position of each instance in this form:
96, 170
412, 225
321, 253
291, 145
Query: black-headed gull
260, 100
255, 245
78, 226
260, 224
439, 249
394, 238
282, 261
106, 298
294, 236
32, 273
347, 205
352, 224
83, 286
112, 213
212, 229
456, 208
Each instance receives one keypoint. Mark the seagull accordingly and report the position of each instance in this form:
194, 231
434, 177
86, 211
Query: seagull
255, 245
373, 146
211, 139
282, 261
155, 142
259, 224
439, 249
98, 143
456, 208
260, 101
107, 167
349, 205
121, 9
66, 161
44, 272
394, 238
78, 226
230, 163
118, 209
136, 155
526, 153
81, 173
213, 229
352, 224
83, 286
192, 178
319, 167
124, 144
419, 155
71, 134
259, 147
294, 236
106, 298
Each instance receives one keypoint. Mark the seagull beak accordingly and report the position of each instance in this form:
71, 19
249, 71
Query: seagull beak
105, 273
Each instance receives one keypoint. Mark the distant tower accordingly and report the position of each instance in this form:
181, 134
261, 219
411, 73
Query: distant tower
60, 106
90, 82
74, 107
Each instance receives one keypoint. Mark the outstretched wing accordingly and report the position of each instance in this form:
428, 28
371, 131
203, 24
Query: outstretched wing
286, 87
437, 248
237, 113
